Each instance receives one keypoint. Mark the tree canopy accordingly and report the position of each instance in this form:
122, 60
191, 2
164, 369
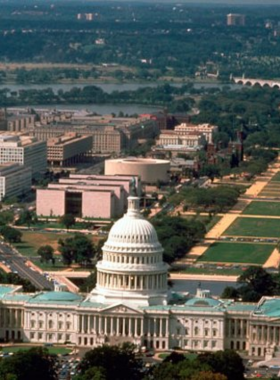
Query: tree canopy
77, 249
113, 362
32, 364
177, 235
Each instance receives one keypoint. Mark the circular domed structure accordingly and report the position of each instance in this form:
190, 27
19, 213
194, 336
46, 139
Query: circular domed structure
132, 269
150, 170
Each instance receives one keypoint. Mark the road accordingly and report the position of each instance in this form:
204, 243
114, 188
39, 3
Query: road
17, 264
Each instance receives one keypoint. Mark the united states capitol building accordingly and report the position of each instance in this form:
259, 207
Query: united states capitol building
132, 303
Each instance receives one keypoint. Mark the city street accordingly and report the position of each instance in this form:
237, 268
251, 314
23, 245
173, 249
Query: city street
17, 264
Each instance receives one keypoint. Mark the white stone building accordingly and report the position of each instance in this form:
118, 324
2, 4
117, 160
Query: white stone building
131, 302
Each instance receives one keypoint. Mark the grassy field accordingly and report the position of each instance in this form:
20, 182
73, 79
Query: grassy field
32, 240
263, 208
213, 271
276, 177
271, 189
242, 253
256, 227
52, 350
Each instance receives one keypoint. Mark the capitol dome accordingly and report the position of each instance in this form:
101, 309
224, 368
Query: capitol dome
132, 232
131, 269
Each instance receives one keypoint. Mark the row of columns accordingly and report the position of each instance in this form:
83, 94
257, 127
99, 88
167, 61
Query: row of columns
12, 318
123, 326
132, 282
120, 326
262, 334
237, 328
125, 259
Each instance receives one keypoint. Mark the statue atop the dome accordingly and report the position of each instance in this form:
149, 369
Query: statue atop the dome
132, 187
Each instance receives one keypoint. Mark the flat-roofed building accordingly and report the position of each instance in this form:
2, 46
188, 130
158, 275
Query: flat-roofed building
24, 150
191, 139
109, 134
87, 196
205, 129
68, 149
15, 180
20, 122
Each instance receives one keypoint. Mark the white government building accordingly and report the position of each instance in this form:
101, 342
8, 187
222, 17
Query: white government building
132, 302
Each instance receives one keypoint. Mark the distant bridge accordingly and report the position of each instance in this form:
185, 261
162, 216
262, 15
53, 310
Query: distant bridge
259, 82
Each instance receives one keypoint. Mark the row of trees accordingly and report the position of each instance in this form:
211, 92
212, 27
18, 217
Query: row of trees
76, 249
177, 235
213, 199
121, 362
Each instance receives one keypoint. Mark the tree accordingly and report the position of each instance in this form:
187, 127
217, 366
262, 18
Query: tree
118, 362
89, 282
256, 282
78, 249
94, 373
227, 362
174, 358
6, 217
33, 364
208, 376
230, 292
46, 252
68, 220
26, 217
10, 234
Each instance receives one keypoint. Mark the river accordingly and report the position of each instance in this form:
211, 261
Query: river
104, 109
108, 87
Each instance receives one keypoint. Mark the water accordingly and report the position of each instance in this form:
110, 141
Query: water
104, 109
106, 87
216, 287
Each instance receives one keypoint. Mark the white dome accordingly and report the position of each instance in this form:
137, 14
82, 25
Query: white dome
132, 231
131, 269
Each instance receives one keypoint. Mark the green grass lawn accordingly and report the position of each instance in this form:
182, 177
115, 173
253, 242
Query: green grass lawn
237, 253
276, 177
32, 240
52, 350
263, 208
256, 227
213, 271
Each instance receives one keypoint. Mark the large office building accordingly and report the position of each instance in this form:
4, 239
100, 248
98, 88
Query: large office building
15, 180
131, 302
24, 150
206, 130
68, 149
87, 196
109, 134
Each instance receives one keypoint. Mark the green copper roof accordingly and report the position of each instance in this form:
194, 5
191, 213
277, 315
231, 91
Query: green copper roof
55, 297
203, 302
269, 308
4, 289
